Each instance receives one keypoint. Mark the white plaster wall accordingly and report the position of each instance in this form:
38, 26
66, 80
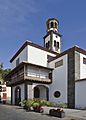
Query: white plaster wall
47, 39
22, 57
80, 96
38, 56
59, 81
82, 67
29, 92
9, 95
22, 86
58, 39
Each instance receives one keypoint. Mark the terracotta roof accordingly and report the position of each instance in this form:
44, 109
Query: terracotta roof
31, 44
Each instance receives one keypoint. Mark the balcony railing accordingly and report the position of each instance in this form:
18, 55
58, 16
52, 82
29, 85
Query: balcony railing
38, 75
29, 76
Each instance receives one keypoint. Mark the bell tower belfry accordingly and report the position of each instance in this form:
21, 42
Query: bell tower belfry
52, 40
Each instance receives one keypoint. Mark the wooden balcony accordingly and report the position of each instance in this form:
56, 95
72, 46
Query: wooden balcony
18, 76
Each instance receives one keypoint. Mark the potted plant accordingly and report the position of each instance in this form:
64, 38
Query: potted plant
57, 113
37, 105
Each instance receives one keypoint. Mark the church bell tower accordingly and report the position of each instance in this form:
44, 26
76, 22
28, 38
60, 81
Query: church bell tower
52, 40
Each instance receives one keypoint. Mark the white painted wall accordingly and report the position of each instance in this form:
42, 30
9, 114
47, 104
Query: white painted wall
9, 95
30, 92
82, 67
38, 56
22, 86
32, 55
59, 81
80, 96
47, 39
22, 56
58, 39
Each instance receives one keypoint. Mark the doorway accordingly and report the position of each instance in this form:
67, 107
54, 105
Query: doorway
17, 95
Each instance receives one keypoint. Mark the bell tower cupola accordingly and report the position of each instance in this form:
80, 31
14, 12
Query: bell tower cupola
52, 40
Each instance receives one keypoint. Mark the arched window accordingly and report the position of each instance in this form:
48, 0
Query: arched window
57, 44
46, 45
51, 24
55, 25
54, 43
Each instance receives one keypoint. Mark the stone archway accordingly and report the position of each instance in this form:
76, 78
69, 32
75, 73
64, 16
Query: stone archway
17, 95
41, 91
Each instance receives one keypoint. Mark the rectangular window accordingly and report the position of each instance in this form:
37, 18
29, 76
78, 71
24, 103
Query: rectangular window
4, 96
17, 62
84, 60
59, 63
3, 89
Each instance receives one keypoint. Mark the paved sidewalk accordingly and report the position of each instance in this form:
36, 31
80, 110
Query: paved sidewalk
73, 113
8, 112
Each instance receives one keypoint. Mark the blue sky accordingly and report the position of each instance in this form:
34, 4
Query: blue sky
22, 20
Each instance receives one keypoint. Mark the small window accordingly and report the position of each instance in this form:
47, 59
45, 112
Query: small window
4, 96
54, 43
46, 45
84, 60
51, 24
57, 44
50, 76
3, 89
55, 25
59, 63
0, 88
57, 94
17, 62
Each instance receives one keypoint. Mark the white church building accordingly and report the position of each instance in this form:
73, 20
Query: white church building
46, 72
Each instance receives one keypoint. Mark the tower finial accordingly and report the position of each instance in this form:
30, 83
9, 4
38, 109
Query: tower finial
52, 24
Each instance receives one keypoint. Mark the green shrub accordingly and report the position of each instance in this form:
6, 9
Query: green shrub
61, 105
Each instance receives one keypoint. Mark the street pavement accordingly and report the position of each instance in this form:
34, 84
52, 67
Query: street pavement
8, 112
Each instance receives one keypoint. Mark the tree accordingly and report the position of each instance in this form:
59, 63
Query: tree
3, 72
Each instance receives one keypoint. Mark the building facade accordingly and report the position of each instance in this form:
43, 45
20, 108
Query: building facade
47, 73
5, 94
